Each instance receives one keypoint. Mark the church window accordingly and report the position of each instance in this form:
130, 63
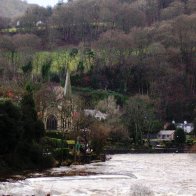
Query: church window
51, 123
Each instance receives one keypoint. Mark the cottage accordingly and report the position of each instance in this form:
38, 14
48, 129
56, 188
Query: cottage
187, 127
96, 114
166, 135
39, 23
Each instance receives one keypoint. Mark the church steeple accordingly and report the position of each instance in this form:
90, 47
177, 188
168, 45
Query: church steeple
67, 89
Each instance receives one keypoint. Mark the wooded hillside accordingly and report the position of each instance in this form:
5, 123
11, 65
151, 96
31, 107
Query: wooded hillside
12, 8
133, 47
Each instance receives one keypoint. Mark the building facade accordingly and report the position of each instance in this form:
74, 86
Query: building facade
57, 115
166, 135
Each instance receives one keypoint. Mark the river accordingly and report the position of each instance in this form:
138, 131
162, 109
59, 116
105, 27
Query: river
122, 175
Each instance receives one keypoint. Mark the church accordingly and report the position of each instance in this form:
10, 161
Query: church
57, 116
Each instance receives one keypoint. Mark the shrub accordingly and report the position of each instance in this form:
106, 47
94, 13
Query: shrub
60, 153
179, 136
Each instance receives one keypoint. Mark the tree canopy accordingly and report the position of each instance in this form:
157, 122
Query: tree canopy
128, 46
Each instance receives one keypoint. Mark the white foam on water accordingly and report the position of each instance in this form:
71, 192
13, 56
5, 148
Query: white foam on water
130, 175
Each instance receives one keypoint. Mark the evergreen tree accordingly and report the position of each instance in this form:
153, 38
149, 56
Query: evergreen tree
10, 127
29, 148
33, 128
179, 136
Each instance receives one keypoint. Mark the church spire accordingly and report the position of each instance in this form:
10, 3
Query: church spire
67, 89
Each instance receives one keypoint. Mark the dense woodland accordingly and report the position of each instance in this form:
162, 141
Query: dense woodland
141, 52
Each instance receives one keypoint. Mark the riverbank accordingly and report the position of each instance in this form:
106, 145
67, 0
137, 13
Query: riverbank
183, 149
12, 176
193, 149
16, 175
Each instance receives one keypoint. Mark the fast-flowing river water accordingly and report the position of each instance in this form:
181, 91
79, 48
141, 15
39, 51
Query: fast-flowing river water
122, 175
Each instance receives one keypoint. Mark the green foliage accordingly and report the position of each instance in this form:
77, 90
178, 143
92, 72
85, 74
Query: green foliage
33, 128
81, 67
139, 117
20, 135
126, 46
54, 78
96, 95
179, 136
97, 146
73, 52
39, 59
55, 142
35, 152
55, 62
157, 126
119, 138
10, 127
55, 134
39, 130
120, 47
27, 68
45, 70
48, 161
28, 108
189, 141
194, 130
30, 155
61, 153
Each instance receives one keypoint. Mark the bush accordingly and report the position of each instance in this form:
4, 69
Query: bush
55, 134
48, 161
10, 127
35, 153
189, 141
27, 68
179, 136
60, 153
54, 78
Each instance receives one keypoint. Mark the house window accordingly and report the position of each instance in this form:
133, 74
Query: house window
51, 123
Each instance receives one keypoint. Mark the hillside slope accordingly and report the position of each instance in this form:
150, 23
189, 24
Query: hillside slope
12, 8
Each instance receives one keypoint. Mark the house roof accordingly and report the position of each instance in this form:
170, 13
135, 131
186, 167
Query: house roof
95, 113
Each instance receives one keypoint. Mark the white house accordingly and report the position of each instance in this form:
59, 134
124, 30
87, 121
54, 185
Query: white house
96, 114
166, 135
18, 23
187, 127
39, 23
